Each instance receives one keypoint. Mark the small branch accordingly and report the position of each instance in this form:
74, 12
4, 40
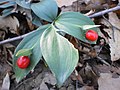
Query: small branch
14, 39
105, 11
91, 16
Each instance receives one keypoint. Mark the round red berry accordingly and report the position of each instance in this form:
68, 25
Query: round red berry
91, 35
23, 62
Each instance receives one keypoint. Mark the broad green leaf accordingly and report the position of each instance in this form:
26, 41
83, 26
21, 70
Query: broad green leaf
75, 17
23, 3
11, 3
59, 54
74, 24
4, 1
36, 20
45, 9
30, 41
7, 12
24, 52
72, 30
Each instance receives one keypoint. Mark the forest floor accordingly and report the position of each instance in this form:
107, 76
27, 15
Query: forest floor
98, 67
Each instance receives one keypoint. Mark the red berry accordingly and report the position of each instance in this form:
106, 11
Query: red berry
23, 62
91, 35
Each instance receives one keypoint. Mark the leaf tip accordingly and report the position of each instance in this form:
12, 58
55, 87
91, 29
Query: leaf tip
17, 80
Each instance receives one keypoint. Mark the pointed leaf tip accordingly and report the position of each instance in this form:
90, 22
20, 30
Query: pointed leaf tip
46, 10
59, 54
24, 52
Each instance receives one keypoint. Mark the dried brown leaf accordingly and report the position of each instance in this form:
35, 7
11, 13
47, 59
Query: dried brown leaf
11, 22
86, 88
65, 2
78, 76
98, 2
49, 78
114, 33
6, 83
106, 82
87, 1
90, 12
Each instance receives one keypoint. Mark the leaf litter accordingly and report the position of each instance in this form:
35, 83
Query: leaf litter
114, 32
98, 64
6, 83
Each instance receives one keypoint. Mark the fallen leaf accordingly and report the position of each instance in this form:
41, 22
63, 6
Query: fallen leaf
86, 88
90, 12
6, 83
11, 22
106, 82
114, 42
87, 1
64, 2
48, 79
98, 2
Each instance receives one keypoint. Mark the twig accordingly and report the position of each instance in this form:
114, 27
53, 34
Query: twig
14, 39
103, 61
105, 11
23, 82
91, 16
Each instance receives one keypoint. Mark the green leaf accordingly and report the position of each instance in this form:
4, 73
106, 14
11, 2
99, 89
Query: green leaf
9, 4
24, 52
23, 3
4, 1
74, 23
30, 41
86, 27
76, 17
72, 30
45, 9
59, 54
36, 20
7, 12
